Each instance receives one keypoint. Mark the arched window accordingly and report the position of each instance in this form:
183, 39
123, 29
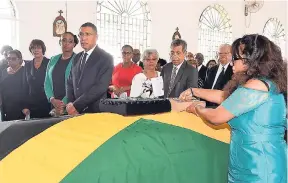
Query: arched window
214, 29
7, 24
274, 30
123, 22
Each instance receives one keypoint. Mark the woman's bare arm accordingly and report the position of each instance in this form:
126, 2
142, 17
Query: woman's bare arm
220, 114
215, 96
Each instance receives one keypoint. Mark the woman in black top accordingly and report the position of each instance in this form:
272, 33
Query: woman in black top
58, 71
13, 88
35, 73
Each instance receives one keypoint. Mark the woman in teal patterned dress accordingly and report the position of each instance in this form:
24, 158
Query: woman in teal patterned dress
253, 105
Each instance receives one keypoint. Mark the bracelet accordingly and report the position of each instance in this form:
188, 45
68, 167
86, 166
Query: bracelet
191, 92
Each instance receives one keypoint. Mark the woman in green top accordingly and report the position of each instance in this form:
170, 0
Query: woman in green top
57, 72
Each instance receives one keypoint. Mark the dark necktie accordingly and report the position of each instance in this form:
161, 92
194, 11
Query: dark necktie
82, 62
219, 79
173, 76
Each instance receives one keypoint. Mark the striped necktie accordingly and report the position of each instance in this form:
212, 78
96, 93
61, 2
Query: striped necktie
173, 76
83, 61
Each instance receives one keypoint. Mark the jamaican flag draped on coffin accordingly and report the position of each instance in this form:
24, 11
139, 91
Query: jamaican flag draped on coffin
106, 148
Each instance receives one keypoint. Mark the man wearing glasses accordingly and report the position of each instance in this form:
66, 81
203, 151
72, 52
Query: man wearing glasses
90, 74
220, 74
178, 75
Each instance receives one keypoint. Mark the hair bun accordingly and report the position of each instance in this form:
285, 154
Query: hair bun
76, 40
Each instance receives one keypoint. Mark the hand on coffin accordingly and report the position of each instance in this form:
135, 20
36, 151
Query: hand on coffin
71, 109
178, 105
192, 107
186, 95
58, 104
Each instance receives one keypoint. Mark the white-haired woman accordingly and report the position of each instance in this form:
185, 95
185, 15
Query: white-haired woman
149, 83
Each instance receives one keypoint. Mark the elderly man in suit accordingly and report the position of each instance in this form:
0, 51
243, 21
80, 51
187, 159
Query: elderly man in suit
220, 74
202, 69
90, 75
178, 75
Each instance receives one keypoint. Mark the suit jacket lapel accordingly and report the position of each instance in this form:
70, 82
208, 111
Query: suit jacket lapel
179, 74
91, 60
201, 70
213, 76
228, 72
94, 56
77, 66
220, 84
169, 73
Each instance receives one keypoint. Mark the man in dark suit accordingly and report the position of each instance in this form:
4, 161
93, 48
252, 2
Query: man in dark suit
4, 62
219, 75
136, 58
202, 69
90, 75
178, 75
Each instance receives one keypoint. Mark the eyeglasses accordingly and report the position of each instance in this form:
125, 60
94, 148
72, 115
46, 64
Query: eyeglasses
67, 41
84, 34
126, 53
153, 59
225, 53
13, 59
172, 53
235, 58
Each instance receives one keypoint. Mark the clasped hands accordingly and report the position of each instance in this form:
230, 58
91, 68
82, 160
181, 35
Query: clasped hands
186, 102
117, 90
71, 110
59, 107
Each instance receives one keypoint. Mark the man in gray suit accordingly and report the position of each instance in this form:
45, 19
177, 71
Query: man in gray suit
90, 75
178, 75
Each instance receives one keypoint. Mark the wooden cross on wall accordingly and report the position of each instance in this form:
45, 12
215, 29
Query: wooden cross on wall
60, 11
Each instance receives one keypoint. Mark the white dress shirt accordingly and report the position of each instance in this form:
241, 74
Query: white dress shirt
178, 67
200, 67
218, 72
89, 53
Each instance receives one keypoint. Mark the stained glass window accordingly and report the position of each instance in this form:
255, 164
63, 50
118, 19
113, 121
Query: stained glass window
274, 30
123, 22
7, 24
214, 29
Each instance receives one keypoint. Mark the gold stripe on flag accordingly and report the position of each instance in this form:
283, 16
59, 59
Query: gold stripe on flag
190, 121
51, 155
